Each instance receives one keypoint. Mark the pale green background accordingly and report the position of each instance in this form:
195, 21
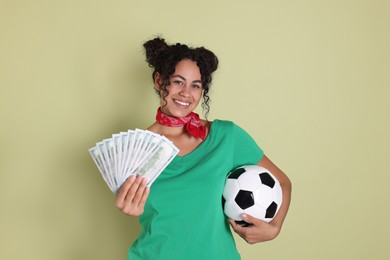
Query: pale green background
308, 79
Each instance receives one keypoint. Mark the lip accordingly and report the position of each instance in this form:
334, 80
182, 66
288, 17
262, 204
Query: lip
181, 103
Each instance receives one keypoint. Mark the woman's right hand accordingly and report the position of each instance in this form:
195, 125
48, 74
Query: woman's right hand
132, 196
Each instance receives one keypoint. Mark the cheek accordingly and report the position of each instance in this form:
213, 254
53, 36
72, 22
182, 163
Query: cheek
197, 98
163, 96
164, 92
199, 94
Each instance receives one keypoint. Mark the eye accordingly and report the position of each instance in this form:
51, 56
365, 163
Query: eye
196, 86
178, 82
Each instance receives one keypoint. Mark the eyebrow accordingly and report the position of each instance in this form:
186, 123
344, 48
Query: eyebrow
183, 78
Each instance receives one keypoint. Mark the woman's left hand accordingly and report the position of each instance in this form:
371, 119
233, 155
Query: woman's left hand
258, 231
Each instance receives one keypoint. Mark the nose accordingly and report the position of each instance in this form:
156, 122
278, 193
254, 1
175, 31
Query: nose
185, 90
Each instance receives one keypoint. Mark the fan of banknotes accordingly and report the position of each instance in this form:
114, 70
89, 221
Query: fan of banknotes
135, 152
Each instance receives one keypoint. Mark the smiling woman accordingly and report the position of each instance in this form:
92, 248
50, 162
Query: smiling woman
164, 59
181, 214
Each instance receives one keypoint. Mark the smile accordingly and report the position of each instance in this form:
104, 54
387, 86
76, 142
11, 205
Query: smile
182, 103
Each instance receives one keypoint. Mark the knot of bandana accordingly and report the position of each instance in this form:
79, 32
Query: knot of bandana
191, 121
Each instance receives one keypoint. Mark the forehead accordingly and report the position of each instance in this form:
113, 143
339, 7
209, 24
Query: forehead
187, 68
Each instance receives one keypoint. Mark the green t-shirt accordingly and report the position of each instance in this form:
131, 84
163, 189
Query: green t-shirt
183, 217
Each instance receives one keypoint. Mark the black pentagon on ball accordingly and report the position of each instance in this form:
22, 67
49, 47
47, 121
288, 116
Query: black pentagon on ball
267, 179
271, 210
244, 199
236, 173
243, 223
223, 203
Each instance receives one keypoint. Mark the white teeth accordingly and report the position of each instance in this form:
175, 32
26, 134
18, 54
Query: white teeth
182, 103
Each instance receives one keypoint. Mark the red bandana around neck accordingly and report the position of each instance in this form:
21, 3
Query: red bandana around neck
191, 121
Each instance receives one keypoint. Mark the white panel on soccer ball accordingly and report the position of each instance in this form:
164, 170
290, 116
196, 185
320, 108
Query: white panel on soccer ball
249, 181
264, 196
231, 189
232, 210
255, 168
256, 211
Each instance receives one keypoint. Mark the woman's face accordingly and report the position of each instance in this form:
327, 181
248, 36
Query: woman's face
185, 89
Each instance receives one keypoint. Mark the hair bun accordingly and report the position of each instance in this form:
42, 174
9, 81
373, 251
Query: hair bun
209, 58
153, 49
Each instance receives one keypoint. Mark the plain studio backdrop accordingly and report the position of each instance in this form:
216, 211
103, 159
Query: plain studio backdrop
309, 80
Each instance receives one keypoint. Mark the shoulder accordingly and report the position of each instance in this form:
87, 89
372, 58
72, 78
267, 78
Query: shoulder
229, 128
224, 124
223, 127
218, 124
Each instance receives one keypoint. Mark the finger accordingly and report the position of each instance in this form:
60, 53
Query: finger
140, 191
132, 190
237, 228
123, 191
252, 220
144, 197
232, 223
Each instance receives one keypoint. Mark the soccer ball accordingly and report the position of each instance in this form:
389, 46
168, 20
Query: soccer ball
253, 190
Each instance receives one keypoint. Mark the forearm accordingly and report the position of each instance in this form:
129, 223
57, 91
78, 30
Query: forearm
280, 217
286, 186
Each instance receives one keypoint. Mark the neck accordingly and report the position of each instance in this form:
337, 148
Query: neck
177, 130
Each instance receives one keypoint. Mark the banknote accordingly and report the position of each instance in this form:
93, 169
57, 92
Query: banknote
134, 152
155, 161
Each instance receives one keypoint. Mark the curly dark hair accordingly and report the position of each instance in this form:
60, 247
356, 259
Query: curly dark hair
163, 58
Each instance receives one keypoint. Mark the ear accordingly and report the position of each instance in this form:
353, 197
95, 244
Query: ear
157, 82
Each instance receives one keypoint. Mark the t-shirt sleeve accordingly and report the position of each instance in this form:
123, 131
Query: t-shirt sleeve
246, 150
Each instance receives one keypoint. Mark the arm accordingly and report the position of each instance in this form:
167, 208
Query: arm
261, 231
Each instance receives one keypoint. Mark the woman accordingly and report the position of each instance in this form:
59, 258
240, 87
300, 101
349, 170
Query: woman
181, 214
